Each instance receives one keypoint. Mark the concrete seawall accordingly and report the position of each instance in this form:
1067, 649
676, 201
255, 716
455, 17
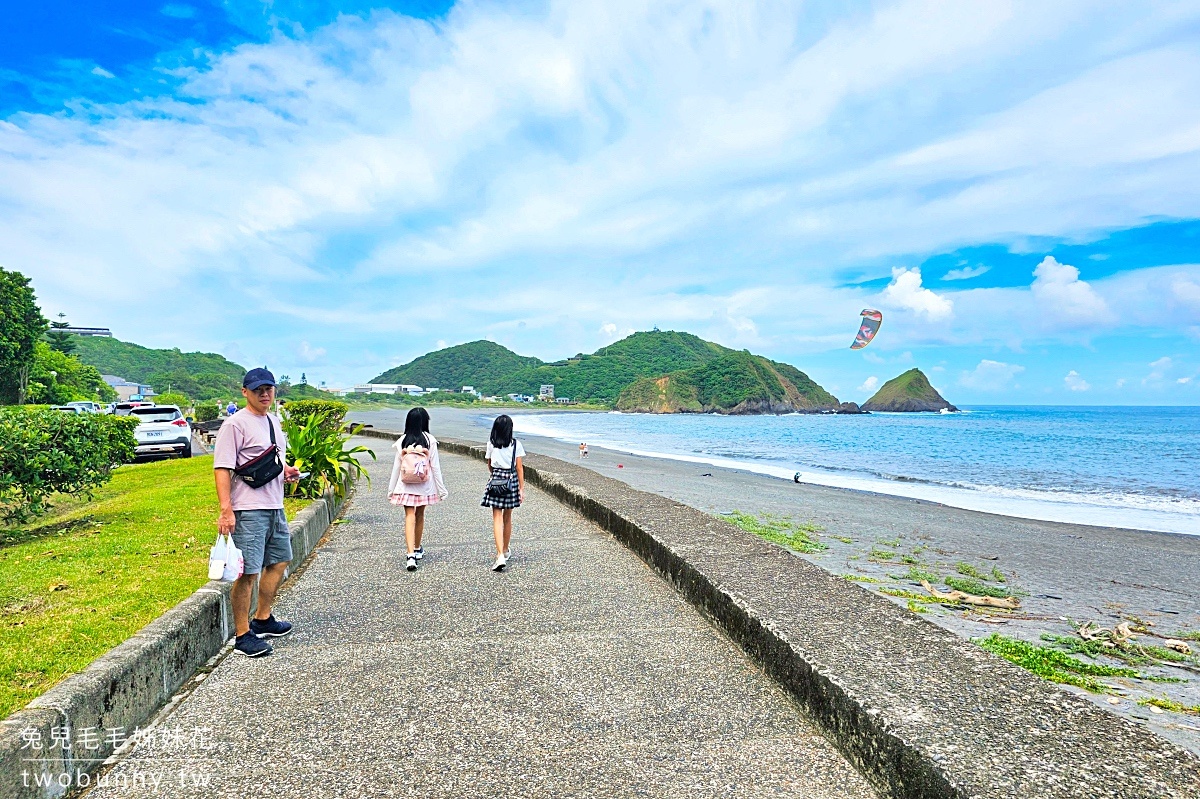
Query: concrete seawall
921, 712
123, 688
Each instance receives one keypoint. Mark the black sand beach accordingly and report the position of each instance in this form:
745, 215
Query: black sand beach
1069, 572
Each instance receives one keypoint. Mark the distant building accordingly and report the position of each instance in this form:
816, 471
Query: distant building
87, 331
546, 393
125, 389
562, 400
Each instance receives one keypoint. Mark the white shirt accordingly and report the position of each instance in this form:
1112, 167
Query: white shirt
499, 457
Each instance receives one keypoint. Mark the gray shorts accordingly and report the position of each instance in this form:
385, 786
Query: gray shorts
263, 537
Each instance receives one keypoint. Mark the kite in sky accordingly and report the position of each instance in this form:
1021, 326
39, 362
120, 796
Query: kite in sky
870, 326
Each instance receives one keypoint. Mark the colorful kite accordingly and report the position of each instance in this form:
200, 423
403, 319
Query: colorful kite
870, 326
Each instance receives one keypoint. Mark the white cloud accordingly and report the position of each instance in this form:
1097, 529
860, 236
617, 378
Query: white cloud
102, 72
906, 292
1121, 382
1059, 290
1183, 381
310, 355
966, 273
870, 384
990, 375
1076, 383
701, 142
1160, 367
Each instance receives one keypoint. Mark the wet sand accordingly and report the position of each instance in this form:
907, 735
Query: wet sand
1069, 571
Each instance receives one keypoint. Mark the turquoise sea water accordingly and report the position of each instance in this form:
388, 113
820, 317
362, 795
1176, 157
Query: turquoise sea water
1132, 467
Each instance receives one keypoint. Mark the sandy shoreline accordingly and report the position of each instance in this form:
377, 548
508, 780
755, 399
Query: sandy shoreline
1069, 571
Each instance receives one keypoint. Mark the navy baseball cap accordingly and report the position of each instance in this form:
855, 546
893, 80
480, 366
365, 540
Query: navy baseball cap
257, 378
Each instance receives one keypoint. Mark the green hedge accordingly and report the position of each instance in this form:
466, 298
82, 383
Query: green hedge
332, 414
45, 452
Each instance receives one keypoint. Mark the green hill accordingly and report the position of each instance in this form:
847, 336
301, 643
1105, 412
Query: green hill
908, 393
659, 371
736, 382
200, 375
603, 375
483, 364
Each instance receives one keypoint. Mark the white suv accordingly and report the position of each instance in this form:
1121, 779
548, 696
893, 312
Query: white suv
162, 430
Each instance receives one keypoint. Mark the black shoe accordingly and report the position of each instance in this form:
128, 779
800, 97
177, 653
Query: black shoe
251, 646
270, 627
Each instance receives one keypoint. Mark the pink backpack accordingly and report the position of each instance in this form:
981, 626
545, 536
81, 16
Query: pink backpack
414, 465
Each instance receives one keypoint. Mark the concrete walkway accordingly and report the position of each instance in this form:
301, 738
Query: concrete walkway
578, 672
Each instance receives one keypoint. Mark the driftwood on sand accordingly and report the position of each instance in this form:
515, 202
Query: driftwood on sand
1007, 603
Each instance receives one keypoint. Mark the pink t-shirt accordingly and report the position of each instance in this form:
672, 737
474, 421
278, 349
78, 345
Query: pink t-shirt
242, 437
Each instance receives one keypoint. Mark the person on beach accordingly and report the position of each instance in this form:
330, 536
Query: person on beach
251, 444
506, 485
416, 481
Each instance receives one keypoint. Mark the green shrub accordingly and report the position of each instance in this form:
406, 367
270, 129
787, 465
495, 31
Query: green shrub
315, 447
207, 410
174, 398
45, 452
330, 414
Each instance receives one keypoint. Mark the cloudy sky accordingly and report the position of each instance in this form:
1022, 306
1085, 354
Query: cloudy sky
337, 187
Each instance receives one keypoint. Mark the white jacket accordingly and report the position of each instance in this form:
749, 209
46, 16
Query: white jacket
431, 487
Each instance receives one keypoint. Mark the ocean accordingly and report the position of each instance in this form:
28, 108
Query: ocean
1134, 467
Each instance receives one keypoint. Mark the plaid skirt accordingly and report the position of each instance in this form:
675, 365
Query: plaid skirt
509, 499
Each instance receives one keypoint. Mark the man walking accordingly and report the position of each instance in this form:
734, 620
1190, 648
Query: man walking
250, 447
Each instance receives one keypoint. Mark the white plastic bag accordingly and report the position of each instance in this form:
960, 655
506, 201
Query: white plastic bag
216, 559
233, 561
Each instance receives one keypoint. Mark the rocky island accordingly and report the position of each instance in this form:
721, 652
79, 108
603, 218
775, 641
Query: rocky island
908, 393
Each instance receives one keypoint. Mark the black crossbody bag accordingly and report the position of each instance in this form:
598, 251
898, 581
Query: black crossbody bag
504, 481
261, 470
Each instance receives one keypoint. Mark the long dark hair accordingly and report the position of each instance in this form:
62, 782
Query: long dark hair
502, 435
416, 429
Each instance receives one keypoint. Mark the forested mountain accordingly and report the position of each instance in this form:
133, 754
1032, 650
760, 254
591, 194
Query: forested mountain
485, 365
657, 371
736, 382
199, 375
603, 375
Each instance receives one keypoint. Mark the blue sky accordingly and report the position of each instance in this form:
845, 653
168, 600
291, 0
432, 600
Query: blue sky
335, 188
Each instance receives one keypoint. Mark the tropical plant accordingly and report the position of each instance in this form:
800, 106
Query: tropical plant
320, 450
45, 452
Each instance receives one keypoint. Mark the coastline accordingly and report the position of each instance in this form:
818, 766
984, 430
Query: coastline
1069, 571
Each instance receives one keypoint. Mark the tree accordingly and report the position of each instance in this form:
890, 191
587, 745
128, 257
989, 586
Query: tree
21, 326
57, 378
60, 340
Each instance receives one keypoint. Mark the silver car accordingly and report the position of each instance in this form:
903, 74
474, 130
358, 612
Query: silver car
162, 430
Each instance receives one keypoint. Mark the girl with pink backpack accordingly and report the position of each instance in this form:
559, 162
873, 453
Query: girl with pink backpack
416, 480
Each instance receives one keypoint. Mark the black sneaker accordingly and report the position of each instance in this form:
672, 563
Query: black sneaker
251, 646
270, 627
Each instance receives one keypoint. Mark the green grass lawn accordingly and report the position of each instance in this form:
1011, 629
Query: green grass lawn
82, 579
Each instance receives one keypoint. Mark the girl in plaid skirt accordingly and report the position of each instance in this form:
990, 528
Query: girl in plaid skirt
506, 485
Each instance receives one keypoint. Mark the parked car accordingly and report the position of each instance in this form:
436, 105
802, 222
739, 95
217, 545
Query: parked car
87, 405
162, 430
123, 408
70, 409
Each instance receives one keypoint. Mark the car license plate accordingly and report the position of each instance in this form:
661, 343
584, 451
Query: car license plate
155, 434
